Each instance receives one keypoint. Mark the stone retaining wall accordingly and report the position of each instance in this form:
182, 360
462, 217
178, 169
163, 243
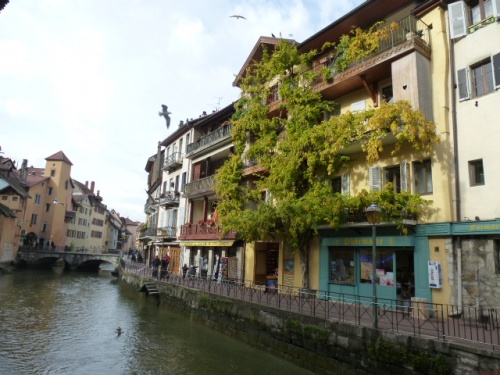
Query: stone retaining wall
322, 346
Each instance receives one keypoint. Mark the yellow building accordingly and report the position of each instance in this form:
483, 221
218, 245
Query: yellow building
13, 199
50, 206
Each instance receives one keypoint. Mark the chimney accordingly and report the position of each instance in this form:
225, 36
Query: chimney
92, 186
87, 184
24, 170
98, 192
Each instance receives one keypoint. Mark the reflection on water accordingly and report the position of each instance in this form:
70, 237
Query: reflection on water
66, 324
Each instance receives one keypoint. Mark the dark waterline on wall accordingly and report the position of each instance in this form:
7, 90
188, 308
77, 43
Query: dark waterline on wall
66, 324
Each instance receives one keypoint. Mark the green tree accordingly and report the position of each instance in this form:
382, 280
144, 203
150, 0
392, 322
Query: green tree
297, 155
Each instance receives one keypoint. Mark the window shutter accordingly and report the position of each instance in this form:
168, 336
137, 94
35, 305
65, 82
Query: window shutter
375, 181
458, 26
345, 183
496, 8
496, 68
463, 84
405, 176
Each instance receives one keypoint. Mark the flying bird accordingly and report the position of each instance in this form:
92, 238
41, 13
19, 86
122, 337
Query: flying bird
274, 36
119, 331
237, 16
165, 113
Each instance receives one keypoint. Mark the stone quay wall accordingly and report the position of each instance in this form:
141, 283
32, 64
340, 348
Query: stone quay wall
322, 346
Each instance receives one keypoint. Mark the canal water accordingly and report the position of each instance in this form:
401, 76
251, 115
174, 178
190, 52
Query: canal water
65, 323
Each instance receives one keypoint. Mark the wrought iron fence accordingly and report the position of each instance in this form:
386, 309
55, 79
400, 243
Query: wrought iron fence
467, 324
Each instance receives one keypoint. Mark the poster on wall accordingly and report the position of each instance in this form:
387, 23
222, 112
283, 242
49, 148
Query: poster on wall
366, 271
435, 277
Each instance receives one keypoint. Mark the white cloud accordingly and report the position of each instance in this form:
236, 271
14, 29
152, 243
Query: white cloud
88, 77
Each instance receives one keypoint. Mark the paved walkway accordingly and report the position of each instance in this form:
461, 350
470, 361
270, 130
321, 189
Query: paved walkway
429, 320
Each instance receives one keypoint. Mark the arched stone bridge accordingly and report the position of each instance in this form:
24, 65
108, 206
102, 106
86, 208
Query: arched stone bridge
73, 261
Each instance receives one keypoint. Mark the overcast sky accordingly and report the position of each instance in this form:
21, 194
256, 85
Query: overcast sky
88, 77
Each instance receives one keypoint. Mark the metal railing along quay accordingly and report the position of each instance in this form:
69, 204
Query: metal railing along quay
467, 324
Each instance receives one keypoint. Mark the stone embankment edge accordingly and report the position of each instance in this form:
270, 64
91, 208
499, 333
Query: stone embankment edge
319, 345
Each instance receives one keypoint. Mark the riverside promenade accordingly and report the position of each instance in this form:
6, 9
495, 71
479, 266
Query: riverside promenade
466, 325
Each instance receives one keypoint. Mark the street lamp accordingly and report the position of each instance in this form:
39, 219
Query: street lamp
374, 214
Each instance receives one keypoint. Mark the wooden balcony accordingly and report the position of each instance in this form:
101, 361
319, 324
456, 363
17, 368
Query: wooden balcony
411, 35
204, 231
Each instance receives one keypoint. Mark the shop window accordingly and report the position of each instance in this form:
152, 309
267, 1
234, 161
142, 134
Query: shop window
341, 268
476, 172
384, 267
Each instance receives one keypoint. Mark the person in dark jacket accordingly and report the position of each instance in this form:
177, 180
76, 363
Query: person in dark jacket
156, 264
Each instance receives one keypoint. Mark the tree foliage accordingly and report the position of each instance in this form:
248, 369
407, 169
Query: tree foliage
297, 155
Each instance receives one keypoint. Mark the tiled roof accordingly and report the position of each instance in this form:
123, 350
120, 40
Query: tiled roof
14, 182
59, 156
6, 211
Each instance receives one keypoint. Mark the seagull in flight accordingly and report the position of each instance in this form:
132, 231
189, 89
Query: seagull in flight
237, 16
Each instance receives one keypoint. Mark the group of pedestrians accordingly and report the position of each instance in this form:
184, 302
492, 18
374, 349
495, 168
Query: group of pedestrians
160, 267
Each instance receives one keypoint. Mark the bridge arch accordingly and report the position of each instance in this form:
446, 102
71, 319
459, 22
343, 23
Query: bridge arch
73, 261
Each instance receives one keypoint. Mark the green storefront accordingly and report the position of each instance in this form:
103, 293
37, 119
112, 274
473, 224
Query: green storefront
401, 263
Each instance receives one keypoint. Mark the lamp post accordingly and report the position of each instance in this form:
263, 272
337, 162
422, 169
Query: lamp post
373, 214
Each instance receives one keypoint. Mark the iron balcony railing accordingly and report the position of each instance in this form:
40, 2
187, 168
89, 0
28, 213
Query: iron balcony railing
169, 231
201, 185
173, 161
222, 133
170, 198
470, 325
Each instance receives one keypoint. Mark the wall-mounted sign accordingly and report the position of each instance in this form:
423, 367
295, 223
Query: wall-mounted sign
435, 276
